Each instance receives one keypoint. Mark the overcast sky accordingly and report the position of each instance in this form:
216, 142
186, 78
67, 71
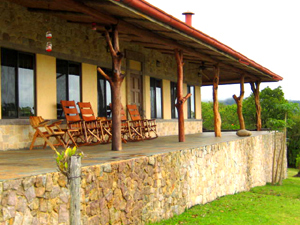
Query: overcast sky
266, 31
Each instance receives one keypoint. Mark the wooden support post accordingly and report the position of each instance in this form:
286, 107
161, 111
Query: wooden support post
180, 99
217, 117
75, 184
115, 84
239, 103
255, 90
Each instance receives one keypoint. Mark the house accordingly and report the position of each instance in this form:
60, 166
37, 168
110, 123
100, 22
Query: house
35, 79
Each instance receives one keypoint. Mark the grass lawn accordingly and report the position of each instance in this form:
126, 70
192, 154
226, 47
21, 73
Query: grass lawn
261, 205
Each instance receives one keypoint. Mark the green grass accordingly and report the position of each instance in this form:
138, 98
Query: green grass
261, 205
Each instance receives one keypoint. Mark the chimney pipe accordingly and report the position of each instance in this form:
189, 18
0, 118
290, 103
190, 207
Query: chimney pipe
188, 17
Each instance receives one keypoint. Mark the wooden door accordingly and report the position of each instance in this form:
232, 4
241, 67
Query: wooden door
136, 92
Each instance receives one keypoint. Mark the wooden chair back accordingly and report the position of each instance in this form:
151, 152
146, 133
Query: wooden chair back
134, 112
123, 113
35, 121
86, 110
70, 110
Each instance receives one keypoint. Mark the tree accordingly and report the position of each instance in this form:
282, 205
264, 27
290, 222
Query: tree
287, 109
268, 99
207, 115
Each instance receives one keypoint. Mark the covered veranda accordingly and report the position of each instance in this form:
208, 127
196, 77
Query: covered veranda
22, 163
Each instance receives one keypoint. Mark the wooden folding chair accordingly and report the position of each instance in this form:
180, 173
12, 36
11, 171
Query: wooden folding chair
99, 130
49, 130
75, 126
148, 126
129, 129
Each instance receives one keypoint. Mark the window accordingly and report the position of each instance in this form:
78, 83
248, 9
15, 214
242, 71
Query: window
17, 84
156, 98
104, 95
173, 100
68, 83
191, 102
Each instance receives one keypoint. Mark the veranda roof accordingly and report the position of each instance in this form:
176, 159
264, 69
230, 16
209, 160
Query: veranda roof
142, 23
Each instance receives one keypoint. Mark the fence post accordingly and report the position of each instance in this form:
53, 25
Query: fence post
75, 183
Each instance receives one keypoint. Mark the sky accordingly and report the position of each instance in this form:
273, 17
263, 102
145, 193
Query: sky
266, 31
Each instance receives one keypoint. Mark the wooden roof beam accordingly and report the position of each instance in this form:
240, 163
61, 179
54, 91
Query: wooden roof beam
78, 6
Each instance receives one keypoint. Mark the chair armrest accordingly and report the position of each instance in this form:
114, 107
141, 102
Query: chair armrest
56, 122
42, 124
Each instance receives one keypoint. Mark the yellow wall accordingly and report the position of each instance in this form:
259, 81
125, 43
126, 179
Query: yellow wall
46, 86
166, 99
198, 113
147, 98
0, 88
89, 85
185, 112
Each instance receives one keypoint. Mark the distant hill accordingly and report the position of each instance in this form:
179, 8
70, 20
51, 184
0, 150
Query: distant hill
295, 101
228, 101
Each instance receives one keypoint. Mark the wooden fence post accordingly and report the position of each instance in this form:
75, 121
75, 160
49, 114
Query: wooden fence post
75, 183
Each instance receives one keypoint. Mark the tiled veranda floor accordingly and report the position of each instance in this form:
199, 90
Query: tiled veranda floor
21, 163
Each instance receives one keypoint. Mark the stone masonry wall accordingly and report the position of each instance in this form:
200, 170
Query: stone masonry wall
142, 189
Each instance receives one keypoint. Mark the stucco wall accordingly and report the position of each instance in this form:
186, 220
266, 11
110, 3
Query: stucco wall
142, 189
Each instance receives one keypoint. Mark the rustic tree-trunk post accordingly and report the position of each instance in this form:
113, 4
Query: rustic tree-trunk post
255, 90
74, 179
180, 99
239, 103
217, 117
115, 83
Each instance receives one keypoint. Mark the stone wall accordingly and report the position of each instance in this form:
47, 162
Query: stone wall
170, 127
142, 189
16, 136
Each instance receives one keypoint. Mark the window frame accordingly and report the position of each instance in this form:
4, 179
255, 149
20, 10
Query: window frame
173, 90
155, 82
16, 85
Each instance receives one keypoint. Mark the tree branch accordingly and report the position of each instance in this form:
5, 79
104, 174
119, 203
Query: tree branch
183, 100
108, 40
104, 75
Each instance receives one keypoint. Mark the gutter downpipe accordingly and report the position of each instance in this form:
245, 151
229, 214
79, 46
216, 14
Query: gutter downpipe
160, 15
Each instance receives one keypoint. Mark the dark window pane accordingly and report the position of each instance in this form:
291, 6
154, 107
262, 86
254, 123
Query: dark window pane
101, 97
26, 92
191, 102
68, 83
8, 92
17, 84
104, 95
26, 61
74, 88
173, 100
158, 103
153, 97
156, 98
